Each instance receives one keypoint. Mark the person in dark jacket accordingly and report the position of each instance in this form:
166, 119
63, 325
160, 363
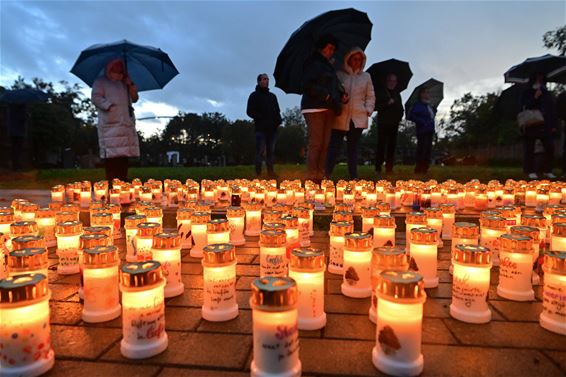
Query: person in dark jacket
537, 97
389, 113
263, 108
422, 113
17, 128
323, 95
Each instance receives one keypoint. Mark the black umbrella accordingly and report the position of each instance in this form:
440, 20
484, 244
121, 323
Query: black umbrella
435, 91
401, 69
23, 96
508, 105
551, 66
350, 27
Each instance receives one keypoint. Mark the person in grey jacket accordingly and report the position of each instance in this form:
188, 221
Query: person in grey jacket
354, 116
113, 94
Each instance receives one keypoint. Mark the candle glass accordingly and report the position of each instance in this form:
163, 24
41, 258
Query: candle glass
273, 259
236, 220
217, 231
33, 260
515, 269
68, 235
424, 252
554, 299
384, 231
198, 232
253, 219
357, 265
338, 231
413, 220
144, 240
166, 250
219, 281
491, 228
184, 227
131, 229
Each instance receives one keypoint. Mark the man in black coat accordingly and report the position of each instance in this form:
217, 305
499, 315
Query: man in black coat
389, 114
263, 108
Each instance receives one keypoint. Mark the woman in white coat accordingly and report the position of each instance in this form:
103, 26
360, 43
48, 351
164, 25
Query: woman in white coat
113, 94
354, 117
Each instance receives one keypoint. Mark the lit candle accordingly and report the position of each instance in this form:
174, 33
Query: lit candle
16, 206
357, 265
275, 328
101, 230
154, 215
89, 241
319, 197
28, 211
85, 196
399, 323
541, 198
236, 220
45, 218
515, 270
198, 232
217, 231
272, 253
343, 216
554, 213
348, 196
26, 345
384, 231
448, 219
531, 196
434, 220
512, 215
33, 260
68, 235
555, 195
3, 256
131, 229
558, 239
368, 214
271, 216
219, 280
103, 219
144, 240
385, 258
101, 191
24, 242
253, 218
114, 196
166, 250
6, 218
143, 310
100, 276
537, 221
424, 251
302, 214
310, 206
491, 228
413, 220
58, 193
470, 284
145, 194
538, 244
184, 216
307, 267
554, 298
292, 233
508, 196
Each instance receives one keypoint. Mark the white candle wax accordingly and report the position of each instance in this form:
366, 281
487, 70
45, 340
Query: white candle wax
311, 299
253, 223
426, 258
470, 286
170, 260
101, 294
198, 232
273, 261
356, 274
219, 293
237, 230
553, 312
383, 237
515, 270
68, 252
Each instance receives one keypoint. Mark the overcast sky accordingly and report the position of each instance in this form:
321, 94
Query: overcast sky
220, 47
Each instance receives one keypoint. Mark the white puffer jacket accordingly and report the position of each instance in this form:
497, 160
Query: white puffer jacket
359, 87
117, 135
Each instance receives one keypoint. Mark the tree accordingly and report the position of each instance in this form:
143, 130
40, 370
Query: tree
290, 146
556, 39
239, 142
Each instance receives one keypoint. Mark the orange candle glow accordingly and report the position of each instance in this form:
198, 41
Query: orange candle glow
553, 294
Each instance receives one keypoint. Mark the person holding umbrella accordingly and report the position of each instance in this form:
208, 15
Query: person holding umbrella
354, 117
113, 94
323, 96
422, 113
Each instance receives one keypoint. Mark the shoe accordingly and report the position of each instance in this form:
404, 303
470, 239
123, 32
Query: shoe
549, 175
532, 176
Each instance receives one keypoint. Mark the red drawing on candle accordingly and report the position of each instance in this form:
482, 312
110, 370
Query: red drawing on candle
286, 332
506, 262
351, 276
388, 340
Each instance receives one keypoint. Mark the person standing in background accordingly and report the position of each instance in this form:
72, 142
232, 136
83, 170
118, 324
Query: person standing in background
263, 108
422, 113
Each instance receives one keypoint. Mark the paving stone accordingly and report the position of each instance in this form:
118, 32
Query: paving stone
116, 323
348, 326
311, 333
60, 292
242, 324
191, 297
179, 372
66, 368
191, 268
187, 258
247, 250
182, 319
519, 311
444, 290
434, 331
346, 305
82, 342
197, 349
65, 313
559, 357
247, 270
245, 258
449, 361
69, 279
443, 265
243, 299
192, 281
243, 283
444, 276
333, 286
437, 308
506, 334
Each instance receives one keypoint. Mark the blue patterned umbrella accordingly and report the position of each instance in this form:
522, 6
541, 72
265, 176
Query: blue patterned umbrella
553, 67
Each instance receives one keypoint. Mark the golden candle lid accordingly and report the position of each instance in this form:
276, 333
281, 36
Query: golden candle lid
309, 204
272, 238
217, 226
272, 293
465, 230
23, 227
101, 209
58, 188
433, 213
509, 211
383, 207
301, 212
44, 213
185, 213
104, 230
55, 206
551, 209
370, 211
271, 215
384, 221
491, 213
88, 241
290, 221
66, 216
515, 243
424, 235
524, 230
141, 274
273, 226
558, 229
341, 228
537, 221
24, 287
401, 285
148, 229
6, 217
28, 241
555, 218
29, 207
358, 240
101, 257
113, 208
235, 212
343, 207
32, 258
153, 212
307, 259
17, 203
132, 221
218, 254
283, 208
200, 218
252, 206
447, 208
472, 255
96, 204
69, 228
69, 207
418, 218
166, 241
340, 216
493, 222
389, 258
104, 218
555, 262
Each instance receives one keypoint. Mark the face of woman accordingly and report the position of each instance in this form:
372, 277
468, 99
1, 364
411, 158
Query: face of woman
328, 51
355, 62
425, 96
115, 75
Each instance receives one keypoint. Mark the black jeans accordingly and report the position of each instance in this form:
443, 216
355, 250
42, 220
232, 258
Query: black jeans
530, 138
386, 142
264, 144
335, 148
424, 151
116, 167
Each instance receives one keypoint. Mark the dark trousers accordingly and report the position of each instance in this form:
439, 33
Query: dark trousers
264, 145
116, 167
386, 142
319, 127
424, 151
335, 148
531, 136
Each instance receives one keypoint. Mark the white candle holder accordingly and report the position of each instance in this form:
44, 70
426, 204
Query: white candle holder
491, 228
337, 233
58, 193
45, 218
198, 232
413, 220
357, 265
368, 214
515, 269
554, 300
131, 229
103, 219
253, 219
435, 220
166, 250
424, 251
273, 253
302, 214
384, 231
68, 235
144, 240
219, 281
184, 216
236, 219
32, 260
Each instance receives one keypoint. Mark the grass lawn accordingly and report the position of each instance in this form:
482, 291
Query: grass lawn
44, 179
